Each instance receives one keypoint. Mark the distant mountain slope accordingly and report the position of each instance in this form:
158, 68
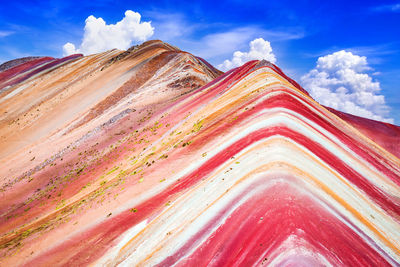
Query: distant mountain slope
151, 156
384, 134
15, 62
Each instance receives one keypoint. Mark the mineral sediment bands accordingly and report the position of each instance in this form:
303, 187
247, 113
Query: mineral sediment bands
153, 157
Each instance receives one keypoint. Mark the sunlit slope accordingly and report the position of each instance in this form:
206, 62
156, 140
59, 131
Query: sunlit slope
47, 97
247, 170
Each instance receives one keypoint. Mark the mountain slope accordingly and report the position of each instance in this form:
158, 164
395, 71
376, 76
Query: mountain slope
245, 170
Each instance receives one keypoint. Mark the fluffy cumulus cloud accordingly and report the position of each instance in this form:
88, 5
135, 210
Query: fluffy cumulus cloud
259, 49
341, 81
99, 36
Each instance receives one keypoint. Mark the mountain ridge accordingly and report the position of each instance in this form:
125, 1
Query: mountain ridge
241, 168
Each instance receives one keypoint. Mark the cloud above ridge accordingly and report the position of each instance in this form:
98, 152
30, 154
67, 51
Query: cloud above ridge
340, 80
259, 49
99, 36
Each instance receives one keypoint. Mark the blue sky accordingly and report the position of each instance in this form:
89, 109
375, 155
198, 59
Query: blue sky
299, 32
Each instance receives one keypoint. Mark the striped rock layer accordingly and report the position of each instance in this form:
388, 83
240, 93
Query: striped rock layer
125, 158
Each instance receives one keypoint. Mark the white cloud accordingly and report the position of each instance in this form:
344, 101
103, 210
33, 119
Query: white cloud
5, 33
171, 27
217, 46
69, 49
216, 43
340, 80
259, 49
387, 8
99, 36
220, 45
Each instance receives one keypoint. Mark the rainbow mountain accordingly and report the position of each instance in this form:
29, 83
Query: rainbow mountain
153, 157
